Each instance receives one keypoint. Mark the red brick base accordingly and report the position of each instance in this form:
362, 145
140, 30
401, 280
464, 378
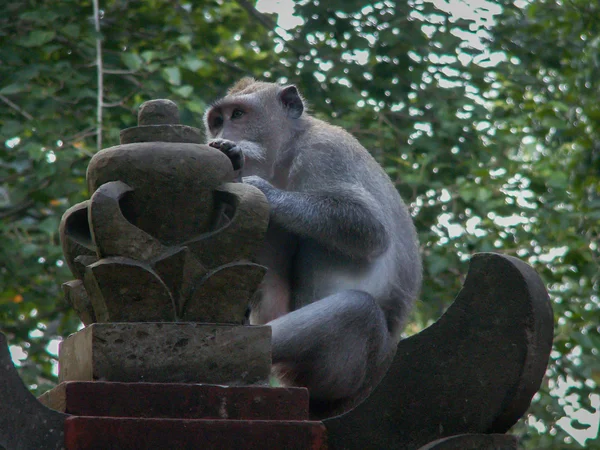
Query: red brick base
184, 416
86, 433
177, 400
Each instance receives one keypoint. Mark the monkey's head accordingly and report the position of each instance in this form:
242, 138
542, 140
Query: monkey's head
260, 117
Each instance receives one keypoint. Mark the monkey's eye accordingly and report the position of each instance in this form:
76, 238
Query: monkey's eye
237, 113
217, 122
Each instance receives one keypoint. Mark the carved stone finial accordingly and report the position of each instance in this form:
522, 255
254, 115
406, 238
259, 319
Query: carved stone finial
158, 112
166, 235
158, 121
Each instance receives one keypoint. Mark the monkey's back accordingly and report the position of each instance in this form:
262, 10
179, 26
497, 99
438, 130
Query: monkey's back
392, 277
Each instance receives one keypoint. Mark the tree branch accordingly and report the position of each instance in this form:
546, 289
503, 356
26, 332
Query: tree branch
119, 72
25, 204
16, 210
269, 24
265, 20
16, 108
99, 71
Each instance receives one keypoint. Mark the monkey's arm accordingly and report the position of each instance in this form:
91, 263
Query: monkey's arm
340, 220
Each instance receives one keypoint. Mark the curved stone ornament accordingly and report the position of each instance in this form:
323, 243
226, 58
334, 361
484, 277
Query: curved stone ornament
173, 183
117, 298
474, 371
243, 217
112, 233
24, 422
221, 296
77, 296
75, 237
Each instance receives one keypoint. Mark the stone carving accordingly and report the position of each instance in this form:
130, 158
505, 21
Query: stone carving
454, 386
165, 229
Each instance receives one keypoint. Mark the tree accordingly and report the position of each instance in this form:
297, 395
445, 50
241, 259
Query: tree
474, 115
547, 106
49, 126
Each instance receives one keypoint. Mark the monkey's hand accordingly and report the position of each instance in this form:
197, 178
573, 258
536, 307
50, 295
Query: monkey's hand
267, 188
232, 151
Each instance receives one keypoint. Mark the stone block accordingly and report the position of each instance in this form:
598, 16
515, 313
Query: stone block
85, 433
184, 352
177, 401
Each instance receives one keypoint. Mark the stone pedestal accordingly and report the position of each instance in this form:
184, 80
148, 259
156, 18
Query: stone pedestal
168, 352
105, 371
178, 415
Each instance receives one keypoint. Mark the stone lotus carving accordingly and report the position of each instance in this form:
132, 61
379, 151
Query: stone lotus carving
166, 234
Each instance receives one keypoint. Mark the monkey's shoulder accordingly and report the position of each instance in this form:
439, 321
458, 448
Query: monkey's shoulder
331, 140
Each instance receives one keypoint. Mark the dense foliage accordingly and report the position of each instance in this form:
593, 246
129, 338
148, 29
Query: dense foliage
486, 117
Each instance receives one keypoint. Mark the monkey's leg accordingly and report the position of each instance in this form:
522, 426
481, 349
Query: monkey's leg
333, 346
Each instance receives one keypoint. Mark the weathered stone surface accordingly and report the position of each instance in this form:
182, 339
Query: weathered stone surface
167, 352
126, 290
180, 270
75, 237
161, 111
161, 133
177, 400
84, 433
112, 233
158, 121
24, 422
243, 213
474, 371
173, 184
222, 295
77, 297
475, 442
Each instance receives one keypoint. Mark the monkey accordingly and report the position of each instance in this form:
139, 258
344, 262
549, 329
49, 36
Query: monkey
341, 249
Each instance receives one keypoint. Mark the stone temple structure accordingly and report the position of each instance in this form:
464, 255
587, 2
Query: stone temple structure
162, 258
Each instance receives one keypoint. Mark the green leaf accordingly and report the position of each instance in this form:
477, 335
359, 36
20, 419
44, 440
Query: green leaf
13, 89
184, 91
197, 107
149, 55
172, 75
72, 30
41, 15
194, 64
132, 61
36, 38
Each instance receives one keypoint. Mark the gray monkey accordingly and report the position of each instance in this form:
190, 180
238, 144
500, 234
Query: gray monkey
341, 249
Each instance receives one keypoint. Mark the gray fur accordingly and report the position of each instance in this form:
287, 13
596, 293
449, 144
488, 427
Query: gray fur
342, 251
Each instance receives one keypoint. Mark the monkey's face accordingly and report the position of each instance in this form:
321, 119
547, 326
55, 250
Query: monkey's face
259, 118
253, 121
234, 120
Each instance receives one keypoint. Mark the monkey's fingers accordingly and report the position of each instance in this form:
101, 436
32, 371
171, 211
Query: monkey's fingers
231, 150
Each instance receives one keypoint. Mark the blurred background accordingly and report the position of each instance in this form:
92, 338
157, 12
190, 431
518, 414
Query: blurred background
485, 114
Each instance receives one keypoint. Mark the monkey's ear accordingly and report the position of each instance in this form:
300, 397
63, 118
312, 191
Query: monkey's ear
292, 102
